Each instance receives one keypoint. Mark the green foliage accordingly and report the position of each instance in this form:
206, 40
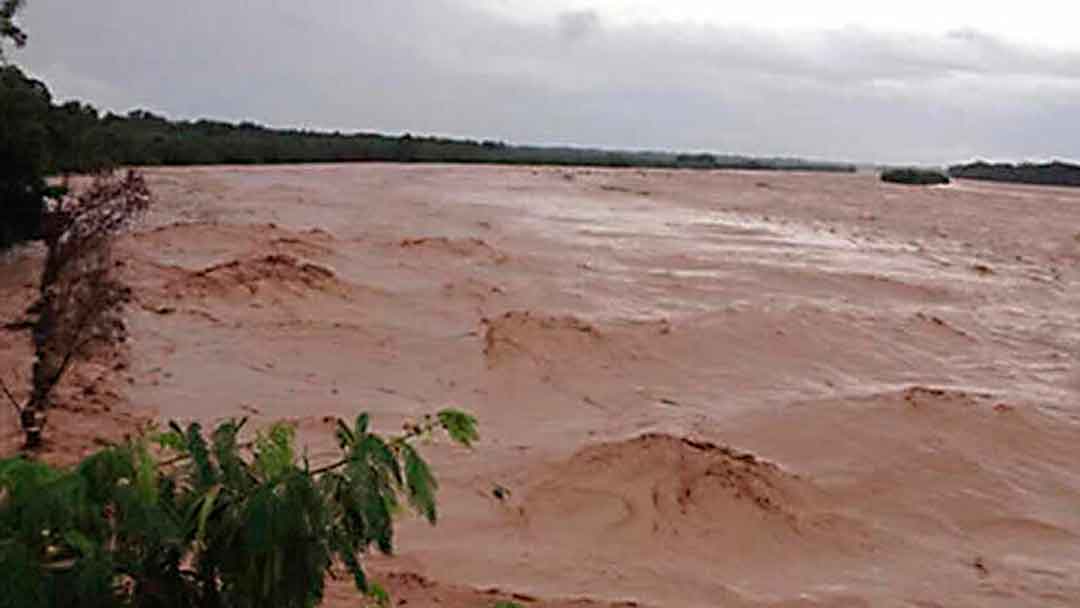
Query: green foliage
274, 450
420, 484
460, 426
914, 177
216, 524
379, 595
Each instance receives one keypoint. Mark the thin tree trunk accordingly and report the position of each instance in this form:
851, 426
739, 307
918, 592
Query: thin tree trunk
47, 361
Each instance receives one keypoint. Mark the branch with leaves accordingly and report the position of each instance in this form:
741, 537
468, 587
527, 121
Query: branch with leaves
225, 526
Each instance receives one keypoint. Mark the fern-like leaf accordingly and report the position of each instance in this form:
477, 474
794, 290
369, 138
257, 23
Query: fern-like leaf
345, 437
420, 484
227, 453
146, 477
205, 471
381, 458
275, 453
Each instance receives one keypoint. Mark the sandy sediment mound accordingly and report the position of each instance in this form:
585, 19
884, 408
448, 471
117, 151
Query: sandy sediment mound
567, 343
222, 238
251, 276
475, 248
181, 241
182, 261
295, 245
540, 338
659, 492
310, 243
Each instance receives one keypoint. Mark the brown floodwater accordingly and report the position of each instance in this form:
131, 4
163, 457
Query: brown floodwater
699, 388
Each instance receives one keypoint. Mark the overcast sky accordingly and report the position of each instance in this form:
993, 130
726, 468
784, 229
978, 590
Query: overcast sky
911, 81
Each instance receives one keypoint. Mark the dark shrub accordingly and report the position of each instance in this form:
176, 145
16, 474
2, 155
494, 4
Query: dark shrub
914, 177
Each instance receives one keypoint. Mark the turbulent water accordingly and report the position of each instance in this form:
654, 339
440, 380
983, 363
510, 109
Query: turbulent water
699, 388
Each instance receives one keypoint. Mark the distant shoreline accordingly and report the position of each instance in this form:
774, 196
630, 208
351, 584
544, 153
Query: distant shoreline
1054, 173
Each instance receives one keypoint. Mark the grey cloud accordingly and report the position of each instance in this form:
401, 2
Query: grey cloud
440, 66
576, 25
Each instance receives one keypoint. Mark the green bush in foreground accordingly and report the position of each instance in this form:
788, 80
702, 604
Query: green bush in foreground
212, 523
916, 177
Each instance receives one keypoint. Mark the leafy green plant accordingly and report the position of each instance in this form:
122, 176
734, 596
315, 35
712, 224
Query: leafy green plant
182, 519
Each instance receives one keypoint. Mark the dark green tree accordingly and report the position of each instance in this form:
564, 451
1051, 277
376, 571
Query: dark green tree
24, 110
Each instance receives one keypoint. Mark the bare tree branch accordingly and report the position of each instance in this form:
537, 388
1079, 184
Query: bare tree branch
79, 299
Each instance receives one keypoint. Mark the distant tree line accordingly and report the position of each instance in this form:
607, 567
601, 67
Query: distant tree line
79, 138
1048, 174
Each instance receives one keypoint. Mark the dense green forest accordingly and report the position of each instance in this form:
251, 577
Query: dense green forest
79, 138
1048, 174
